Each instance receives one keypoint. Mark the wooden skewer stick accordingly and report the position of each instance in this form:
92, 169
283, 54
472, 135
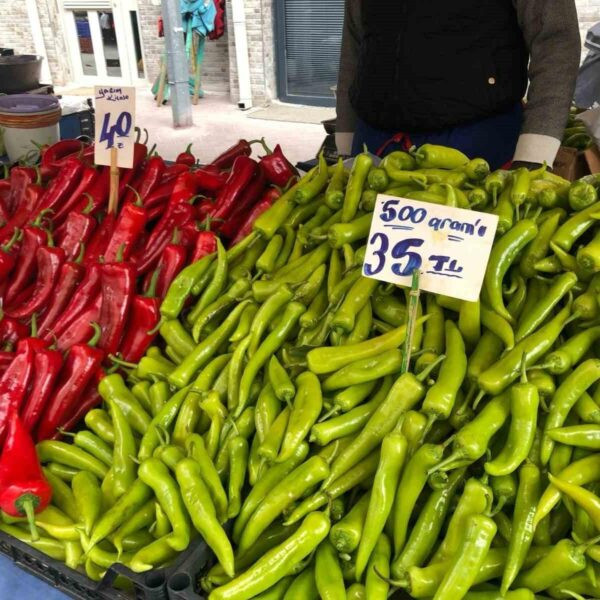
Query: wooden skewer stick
113, 198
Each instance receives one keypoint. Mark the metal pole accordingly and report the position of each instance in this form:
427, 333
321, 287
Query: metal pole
177, 64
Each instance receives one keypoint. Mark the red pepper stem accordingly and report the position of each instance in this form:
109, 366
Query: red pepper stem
41, 216
6, 171
188, 150
264, 145
175, 238
156, 327
96, 336
122, 363
89, 207
26, 504
151, 291
120, 252
151, 149
38, 175
13, 240
138, 198
81, 254
64, 432
34, 325
146, 136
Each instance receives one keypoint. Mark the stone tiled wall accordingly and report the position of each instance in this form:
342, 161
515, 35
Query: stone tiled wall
14, 27
54, 38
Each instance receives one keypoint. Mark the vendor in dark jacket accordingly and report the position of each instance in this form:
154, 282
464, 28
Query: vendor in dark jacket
455, 72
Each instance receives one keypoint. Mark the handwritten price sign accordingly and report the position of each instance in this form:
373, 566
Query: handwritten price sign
115, 118
450, 246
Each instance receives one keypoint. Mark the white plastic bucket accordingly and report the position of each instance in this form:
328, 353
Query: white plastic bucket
28, 118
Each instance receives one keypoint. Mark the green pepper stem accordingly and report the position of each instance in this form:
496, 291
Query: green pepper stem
121, 362
79, 258
120, 252
446, 464
16, 236
96, 336
34, 325
151, 291
478, 399
397, 583
524, 368
27, 505
499, 507
424, 374
138, 198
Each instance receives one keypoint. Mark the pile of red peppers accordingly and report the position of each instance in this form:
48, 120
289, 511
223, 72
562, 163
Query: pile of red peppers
80, 287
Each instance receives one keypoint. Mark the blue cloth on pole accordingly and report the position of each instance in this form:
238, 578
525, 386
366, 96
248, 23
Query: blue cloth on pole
200, 14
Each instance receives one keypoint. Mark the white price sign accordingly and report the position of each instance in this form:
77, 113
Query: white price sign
450, 246
115, 123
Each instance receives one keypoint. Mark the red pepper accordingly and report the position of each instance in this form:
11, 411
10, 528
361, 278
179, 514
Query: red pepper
206, 243
209, 181
97, 194
53, 157
227, 158
33, 195
11, 330
6, 357
126, 175
84, 294
173, 171
186, 157
232, 220
8, 255
242, 173
49, 261
24, 270
128, 228
20, 178
4, 193
75, 232
277, 168
88, 178
159, 195
14, 382
147, 180
174, 217
81, 364
143, 318
118, 286
90, 399
172, 260
246, 226
46, 368
24, 490
71, 273
100, 240
185, 188
79, 328
63, 184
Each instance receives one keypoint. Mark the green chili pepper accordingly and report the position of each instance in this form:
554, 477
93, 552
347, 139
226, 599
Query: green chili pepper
350, 232
312, 184
539, 247
181, 287
356, 182
94, 445
301, 269
266, 261
238, 462
346, 534
356, 298
113, 388
137, 523
88, 499
334, 195
568, 233
582, 195
174, 333
310, 288
399, 160
439, 157
520, 186
265, 314
378, 179
496, 182
504, 210
503, 254
159, 395
524, 402
582, 436
62, 495
477, 169
304, 212
378, 570
71, 456
269, 448
123, 467
275, 564
426, 529
328, 573
304, 586
99, 422
269, 346
153, 555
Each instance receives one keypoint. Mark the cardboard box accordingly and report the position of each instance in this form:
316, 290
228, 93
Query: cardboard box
573, 164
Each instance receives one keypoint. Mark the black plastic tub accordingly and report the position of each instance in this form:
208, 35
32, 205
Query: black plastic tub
20, 73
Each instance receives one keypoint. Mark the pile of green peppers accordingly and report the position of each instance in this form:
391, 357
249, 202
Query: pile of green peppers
357, 438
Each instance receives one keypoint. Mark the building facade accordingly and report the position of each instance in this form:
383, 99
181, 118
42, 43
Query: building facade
293, 44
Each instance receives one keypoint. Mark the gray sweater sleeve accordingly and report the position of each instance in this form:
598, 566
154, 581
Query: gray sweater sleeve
551, 32
346, 117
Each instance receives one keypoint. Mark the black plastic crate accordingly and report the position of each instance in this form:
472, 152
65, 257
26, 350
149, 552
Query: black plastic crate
151, 585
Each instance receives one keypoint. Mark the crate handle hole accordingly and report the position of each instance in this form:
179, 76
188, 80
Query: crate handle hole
180, 582
154, 580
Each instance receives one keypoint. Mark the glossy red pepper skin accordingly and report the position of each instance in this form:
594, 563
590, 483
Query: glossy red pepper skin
242, 173
100, 240
95, 197
126, 176
80, 329
206, 243
117, 288
33, 195
62, 185
148, 179
143, 317
21, 478
84, 295
76, 230
160, 195
172, 260
277, 168
6, 358
210, 181
12, 330
88, 178
175, 216
20, 178
46, 368
128, 228
186, 157
49, 262
172, 172
246, 226
24, 269
14, 382
68, 279
54, 156
89, 399
227, 158
81, 364
8, 256
252, 193
4, 192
